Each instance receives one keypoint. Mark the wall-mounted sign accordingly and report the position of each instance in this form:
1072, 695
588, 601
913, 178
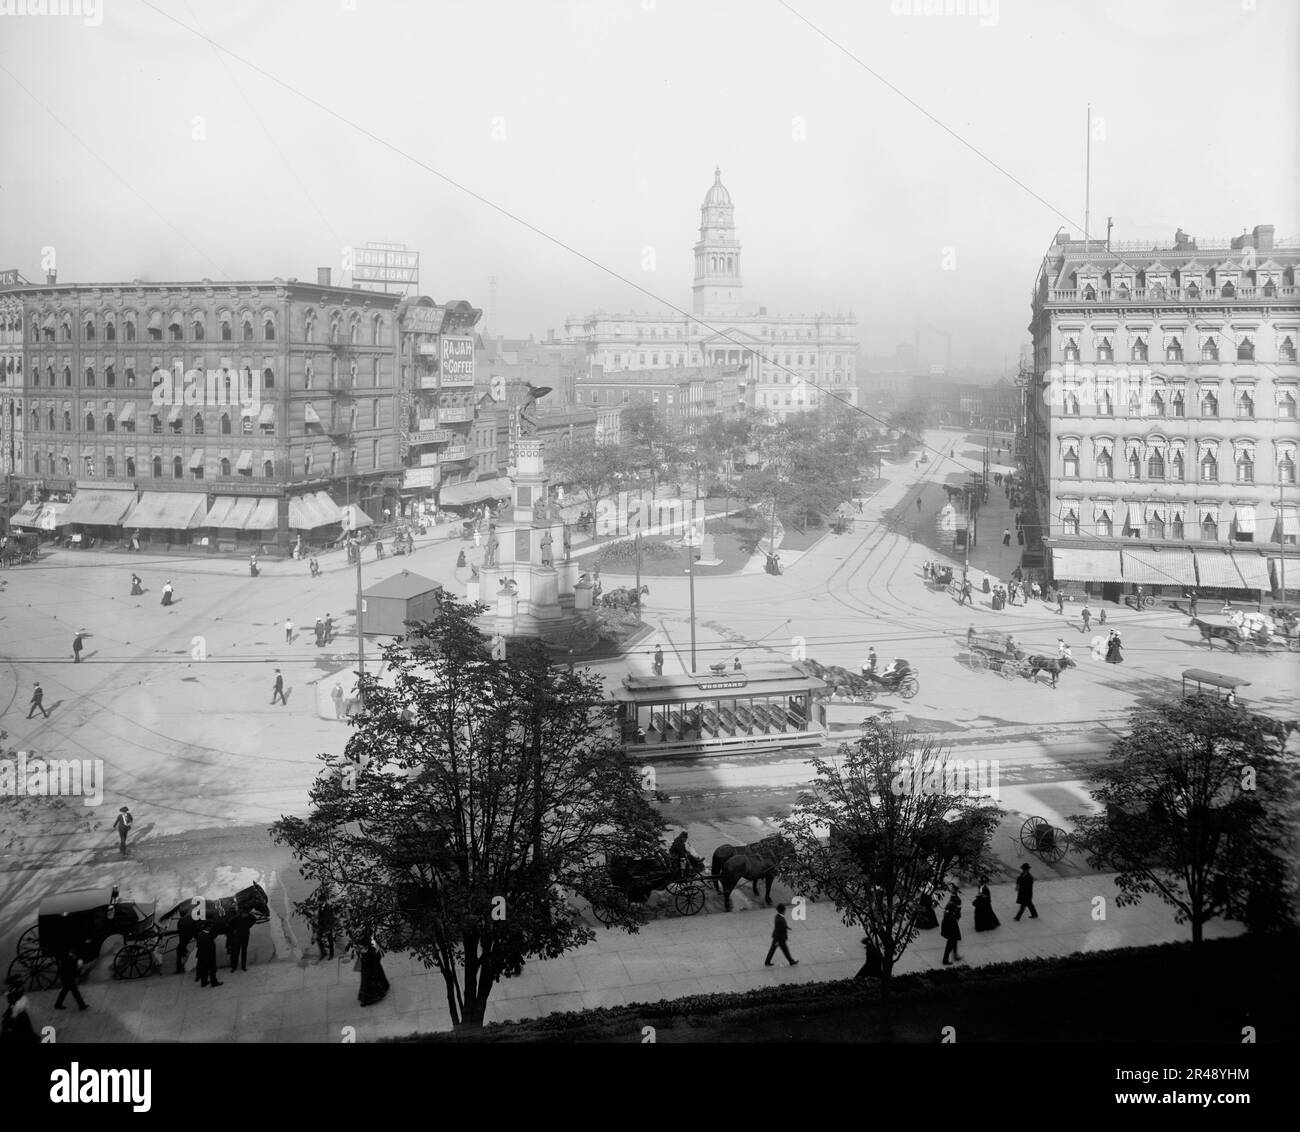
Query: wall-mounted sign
712, 685
421, 477
386, 263
457, 363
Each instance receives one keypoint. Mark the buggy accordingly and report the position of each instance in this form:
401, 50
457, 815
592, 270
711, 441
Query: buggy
631, 880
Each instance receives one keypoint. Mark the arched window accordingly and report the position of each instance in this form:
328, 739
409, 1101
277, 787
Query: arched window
1229, 291
49, 417
66, 327
1209, 468
1134, 465
354, 331
157, 467
110, 378
268, 379
110, 467
196, 329
1245, 403
1210, 350
90, 375
90, 330
1286, 351
308, 374
178, 468
67, 466
1177, 403
334, 330
377, 330
1089, 293
1209, 527
1071, 351
1246, 350
1245, 466
309, 326
268, 469
67, 420
1071, 462
128, 326
1070, 521
36, 421
1138, 351
198, 424
1105, 525
225, 466
1193, 291
67, 377
110, 330
130, 377
1174, 351
1178, 465
225, 424
1209, 404
130, 467
1157, 404
175, 332
268, 329
1105, 464
306, 464
110, 423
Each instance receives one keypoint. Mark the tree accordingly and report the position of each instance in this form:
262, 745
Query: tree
648, 442
1199, 810
473, 792
900, 818
591, 471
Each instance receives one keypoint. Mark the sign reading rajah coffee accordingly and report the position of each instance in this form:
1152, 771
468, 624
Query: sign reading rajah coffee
457, 360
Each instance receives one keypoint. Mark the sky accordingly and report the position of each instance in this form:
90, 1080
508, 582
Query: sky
564, 148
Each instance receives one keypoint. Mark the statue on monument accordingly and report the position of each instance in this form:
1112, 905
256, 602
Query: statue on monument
547, 557
493, 545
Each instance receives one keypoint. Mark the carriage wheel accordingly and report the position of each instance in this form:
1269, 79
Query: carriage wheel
604, 914
1247, 646
1055, 846
909, 688
134, 961
978, 661
687, 898
35, 971
1029, 832
1293, 644
1009, 670
29, 943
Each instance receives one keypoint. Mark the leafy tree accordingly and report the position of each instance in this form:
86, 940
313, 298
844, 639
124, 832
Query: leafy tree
473, 792
592, 471
648, 442
1200, 810
900, 820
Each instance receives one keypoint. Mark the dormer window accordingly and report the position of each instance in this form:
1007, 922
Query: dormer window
1229, 291
1089, 293
1245, 404
1193, 291
1105, 464
1174, 351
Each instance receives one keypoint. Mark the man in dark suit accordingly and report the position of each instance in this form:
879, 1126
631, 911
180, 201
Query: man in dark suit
1025, 893
780, 933
68, 968
207, 959
278, 690
241, 927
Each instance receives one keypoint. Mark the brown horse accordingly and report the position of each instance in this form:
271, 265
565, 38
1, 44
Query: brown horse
1053, 665
735, 864
1211, 633
216, 914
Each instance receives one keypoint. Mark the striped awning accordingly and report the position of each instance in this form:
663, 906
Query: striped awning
99, 508
175, 413
1159, 567
1216, 569
267, 415
51, 516
1290, 522
127, 413
196, 458
178, 511
264, 517
219, 513
1254, 571
1075, 564
1245, 517
26, 516
312, 510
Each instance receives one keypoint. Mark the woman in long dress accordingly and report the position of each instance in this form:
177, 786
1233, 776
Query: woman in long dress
374, 983
925, 918
1113, 654
985, 918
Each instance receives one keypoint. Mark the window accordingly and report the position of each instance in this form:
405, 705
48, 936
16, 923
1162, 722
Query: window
246, 425
1245, 404
49, 416
155, 423
225, 424
1134, 465
1105, 464
1177, 404
110, 425
268, 329
1193, 291
90, 330
110, 467
1135, 404
1156, 465
1105, 527
1138, 351
1071, 405
110, 378
1245, 467
1228, 291
110, 333
196, 330
90, 375
129, 327
227, 335
1155, 525
268, 379
1157, 404
67, 466
1105, 404
178, 468
175, 426
157, 467
374, 454
90, 422
1105, 351
130, 377
1174, 351
1286, 351
1210, 350
1209, 468
1176, 526
376, 331
225, 466
198, 424
1246, 351
306, 464
1072, 462
1071, 522
67, 377
374, 413
196, 471
130, 467
1071, 351
268, 469
1209, 404
247, 332
1286, 469
67, 420
174, 332
1089, 293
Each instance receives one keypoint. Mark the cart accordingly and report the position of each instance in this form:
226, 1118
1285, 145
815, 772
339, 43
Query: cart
999, 652
1041, 837
631, 880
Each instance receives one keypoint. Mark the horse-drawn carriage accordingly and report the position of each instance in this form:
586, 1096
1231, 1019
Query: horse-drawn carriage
632, 880
850, 687
1257, 633
999, 652
1041, 837
80, 921
19, 547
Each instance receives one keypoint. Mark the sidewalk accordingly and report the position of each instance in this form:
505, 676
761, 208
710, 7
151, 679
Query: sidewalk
294, 999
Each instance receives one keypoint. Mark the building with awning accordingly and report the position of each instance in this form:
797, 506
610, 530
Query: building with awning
313, 510
1253, 568
168, 511
1217, 570
99, 508
1086, 564
127, 413
241, 513
27, 516
1159, 566
463, 494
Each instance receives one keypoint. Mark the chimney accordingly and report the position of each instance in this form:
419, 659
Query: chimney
323, 276
1263, 237
51, 278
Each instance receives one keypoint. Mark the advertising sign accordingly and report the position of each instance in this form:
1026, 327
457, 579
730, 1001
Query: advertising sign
386, 263
457, 366
421, 477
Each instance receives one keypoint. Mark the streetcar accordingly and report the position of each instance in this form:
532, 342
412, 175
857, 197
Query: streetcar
739, 710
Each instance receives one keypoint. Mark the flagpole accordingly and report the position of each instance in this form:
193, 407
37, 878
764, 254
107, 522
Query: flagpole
1087, 179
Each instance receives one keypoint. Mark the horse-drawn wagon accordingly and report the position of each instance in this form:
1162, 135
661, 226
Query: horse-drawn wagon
858, 688
632, 880
998, 652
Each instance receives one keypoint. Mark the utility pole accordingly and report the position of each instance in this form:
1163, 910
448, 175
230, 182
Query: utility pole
361, 637
636, 542
690, 564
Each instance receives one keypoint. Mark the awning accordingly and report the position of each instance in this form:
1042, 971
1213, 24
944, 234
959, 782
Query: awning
459, 494
1159, 567
1290, 522
1254, 571
196, 458
354, 518
246, 410
309, 414
245, 461
1245, 520
99, 508
127, 413
175, 413
219, 513
264, 517
26, 516
1078, 565
1217, 570
179, 511
267, 415
307, 512
155, 321
51, 516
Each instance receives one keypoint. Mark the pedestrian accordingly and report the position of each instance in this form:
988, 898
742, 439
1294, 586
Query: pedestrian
780, 933
735, 665
1006, 536
337, 696
966, 590
288, 631
874, 967
122, 826
77, 645
872, 661
950, 929
69, 968
1101, 619
970, 637
237, 936
252, 566
1191, 606
1113, 647
374, 983
1020, 536
379, 549
478, 536
1085, 615
1060, 601
1025, 893
658, 661
925, 917
16, 1025
329, 626
324, 926
37, 696
918, 503
136, 588
135, 541
1063, 650
167, 592
859, 505
314, 566
1231, 698
460, 559
205, 971
985, 918
320, 632
278, 690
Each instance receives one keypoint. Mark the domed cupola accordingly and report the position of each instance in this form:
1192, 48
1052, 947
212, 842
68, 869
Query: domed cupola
717, 191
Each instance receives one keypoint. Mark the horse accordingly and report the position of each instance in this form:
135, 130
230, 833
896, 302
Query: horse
735, 864
217, 915
1054, 665
624, 597
1211, 633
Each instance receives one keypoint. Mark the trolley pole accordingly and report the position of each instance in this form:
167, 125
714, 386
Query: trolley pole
361, 637
690, 570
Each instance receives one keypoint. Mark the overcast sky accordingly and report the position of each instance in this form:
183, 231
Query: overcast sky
135, 148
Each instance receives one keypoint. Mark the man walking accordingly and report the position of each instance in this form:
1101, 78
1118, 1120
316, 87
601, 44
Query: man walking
1191, 607
1025, 893
950, 928
77, 645
780, 933
659, 660
1085, 615
206, 950
337, 696
122, 827
68, 968
320, 632
278, 690
288, 631
37, 696
1006, 536
1060, 600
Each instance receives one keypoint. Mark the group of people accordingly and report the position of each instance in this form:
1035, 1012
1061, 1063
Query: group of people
893, 672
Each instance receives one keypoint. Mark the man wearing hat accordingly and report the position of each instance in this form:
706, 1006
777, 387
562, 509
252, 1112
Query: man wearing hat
123, 827
37, 696
77, 645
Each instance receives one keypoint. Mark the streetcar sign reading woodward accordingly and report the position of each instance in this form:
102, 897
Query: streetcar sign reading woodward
713, 685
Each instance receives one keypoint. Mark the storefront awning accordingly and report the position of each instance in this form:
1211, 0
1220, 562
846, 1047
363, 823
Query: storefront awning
99, 508
1092, 565
26, 516
218, 516
1254, 571
264, 517
1217, 570
313, 510
460, 494
1162, 567
170, 511
51, 516
174, 414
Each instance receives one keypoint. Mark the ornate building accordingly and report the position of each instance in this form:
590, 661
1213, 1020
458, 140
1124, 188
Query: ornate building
787, 360
1162, 440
